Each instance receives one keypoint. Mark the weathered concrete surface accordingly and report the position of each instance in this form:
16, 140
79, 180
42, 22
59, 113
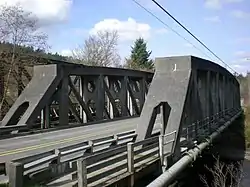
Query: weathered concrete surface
188, 90
36, 92
168, 89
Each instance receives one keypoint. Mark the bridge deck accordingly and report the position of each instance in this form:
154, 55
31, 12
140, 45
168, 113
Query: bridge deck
19, 147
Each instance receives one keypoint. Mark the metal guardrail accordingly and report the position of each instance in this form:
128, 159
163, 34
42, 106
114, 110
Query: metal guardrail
64, 155
205, 126
11, 128
113, 165
164, 141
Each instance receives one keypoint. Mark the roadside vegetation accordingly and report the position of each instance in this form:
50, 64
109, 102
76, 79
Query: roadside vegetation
247, 126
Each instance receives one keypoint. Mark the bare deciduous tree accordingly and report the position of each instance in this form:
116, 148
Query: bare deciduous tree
224, 175
99, 49
18, 28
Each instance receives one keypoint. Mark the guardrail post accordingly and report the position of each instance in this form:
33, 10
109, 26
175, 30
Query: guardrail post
116, 141
58, 153
196, 129
161, 149
82, 173
15, 174
130, 150
209, 125
91, 149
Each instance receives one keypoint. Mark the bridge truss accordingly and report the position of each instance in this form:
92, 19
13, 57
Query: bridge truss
191, 96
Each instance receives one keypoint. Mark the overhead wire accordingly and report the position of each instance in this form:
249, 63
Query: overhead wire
166, 25
162, 8
170, 28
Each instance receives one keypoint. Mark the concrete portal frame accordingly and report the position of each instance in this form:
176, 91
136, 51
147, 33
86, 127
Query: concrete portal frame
191, 89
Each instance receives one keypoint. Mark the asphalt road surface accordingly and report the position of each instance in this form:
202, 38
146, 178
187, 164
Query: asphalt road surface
23, 146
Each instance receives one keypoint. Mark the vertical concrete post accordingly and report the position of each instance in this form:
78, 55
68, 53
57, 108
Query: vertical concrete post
234, 96
130, 104
64, 101
163, 122
232, 93
82, 173
15, 174
109, 104
208, 90
100, 97
226, 94
142, 92
45, 117
42, 119
223, 93
123, 94
82, 112
130, 158
217, 95
229, 94
161, 148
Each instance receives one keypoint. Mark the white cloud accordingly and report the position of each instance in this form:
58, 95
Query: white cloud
241, 14
236, 66
128, 30
66, 52
214, 19
240, 68
47, 11
213, 4
218, 4
241, 60
244, 60
243, 56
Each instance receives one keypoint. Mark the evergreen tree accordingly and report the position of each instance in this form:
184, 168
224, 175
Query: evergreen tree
139, 58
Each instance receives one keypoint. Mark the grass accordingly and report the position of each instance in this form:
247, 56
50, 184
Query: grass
247, 126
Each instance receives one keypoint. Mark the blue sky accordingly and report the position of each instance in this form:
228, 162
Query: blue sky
223, 25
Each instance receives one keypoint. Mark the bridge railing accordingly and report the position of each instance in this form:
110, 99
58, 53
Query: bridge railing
118, 163
49, 161
166, 140
205, 126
